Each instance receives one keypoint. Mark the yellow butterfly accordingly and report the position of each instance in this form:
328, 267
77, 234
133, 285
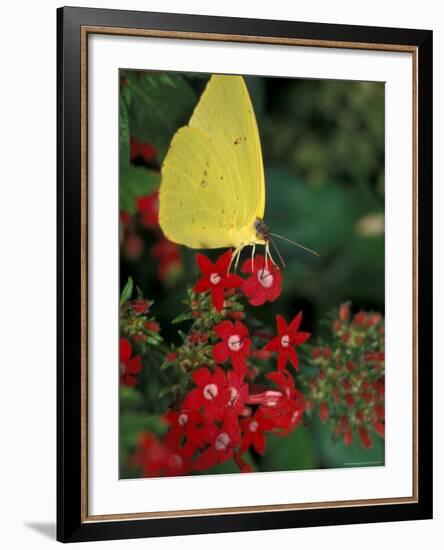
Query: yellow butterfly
212, 192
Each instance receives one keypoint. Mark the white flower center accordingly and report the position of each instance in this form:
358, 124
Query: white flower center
183, 419
210, 391
265, 277
175, 461
234, 342
234, 394
222, 442
254, 425
215, 278
285, 341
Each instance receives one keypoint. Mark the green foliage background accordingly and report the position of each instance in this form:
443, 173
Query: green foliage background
323, 148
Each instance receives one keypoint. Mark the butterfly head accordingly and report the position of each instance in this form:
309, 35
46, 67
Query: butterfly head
262, 230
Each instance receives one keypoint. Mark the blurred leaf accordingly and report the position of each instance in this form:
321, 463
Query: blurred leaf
124, 131
161, 103
136, 182
130, 399
127, 291
294, 452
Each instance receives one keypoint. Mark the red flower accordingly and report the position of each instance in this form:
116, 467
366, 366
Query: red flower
128, 365
288, 411
169, 257
222, 441
144, 150
148, 208
211, 393
238, 391
235, 344
253, 429
287, 340
140, 306
185, 423
216, 278
166, 458
265, 284
324, 411
365, 438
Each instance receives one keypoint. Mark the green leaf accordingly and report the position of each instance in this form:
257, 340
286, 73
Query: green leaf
161, 103
136, 182
127, 291
124, 131
185, 316
293, 452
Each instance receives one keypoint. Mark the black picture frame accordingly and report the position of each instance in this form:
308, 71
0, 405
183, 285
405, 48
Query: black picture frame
71, 523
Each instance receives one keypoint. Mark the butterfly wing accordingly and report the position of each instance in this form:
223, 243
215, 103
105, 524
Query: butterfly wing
212, 186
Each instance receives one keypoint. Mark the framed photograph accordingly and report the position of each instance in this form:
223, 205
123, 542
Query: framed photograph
245, 268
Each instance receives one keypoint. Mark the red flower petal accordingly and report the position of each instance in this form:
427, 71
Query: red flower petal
239, 363
223, 263
205, 264
221, 352
292, 356
259, 442
125, 350
240, 329
193, 399
259, 297
233, 281
282, 359
201, 377
301, 337
134, 365
130, 380
202, 285
295, 323
224, 329
218, 296
281, 324
206, 460
273, 345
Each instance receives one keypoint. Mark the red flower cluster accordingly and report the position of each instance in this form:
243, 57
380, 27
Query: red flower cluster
264, 284
223, 412
349, 387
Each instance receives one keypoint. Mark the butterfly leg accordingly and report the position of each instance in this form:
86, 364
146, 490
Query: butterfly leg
253, 250
237, 259
233, 257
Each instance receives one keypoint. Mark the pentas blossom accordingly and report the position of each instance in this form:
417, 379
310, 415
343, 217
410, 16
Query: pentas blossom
222, 440
235, 345
265, 283
148, 209
129, 366
216, 278
211, 394
223, 406
287, 340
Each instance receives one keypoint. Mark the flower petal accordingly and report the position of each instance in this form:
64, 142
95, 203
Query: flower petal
218, 296
240, 329
281, 324
125, 350
233, 281
202, 285
134, 365
206, 460
301, 337
238, 362
221, 352
223, 263
273, 345
294, 325
259, 297
201, 377
224, 329
282, 359
293, 357
205, 264
259, 442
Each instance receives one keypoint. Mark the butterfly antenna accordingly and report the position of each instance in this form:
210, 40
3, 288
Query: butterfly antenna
295, 244
281, 259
